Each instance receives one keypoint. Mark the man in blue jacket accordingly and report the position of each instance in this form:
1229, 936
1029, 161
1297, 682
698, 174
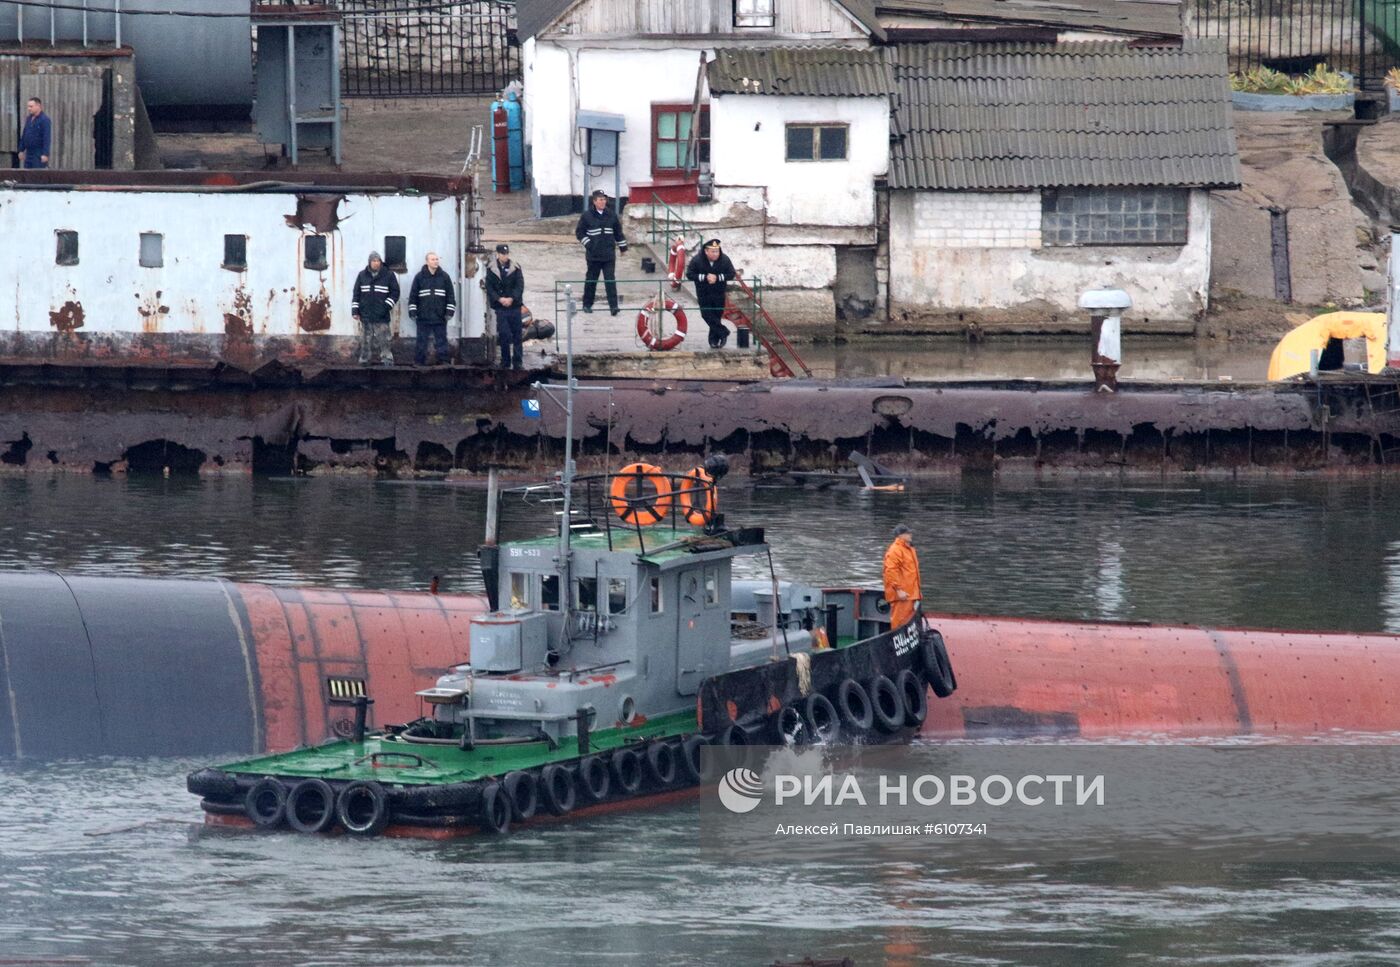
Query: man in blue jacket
432, 302
372, 305
36, 140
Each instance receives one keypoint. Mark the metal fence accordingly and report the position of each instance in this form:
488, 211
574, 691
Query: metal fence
1358, 36
465, 48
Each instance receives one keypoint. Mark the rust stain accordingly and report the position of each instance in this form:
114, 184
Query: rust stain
314, 314
67, 317
237, 327
151, 312
319, 212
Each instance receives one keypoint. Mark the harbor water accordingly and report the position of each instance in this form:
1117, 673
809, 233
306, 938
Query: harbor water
105, 861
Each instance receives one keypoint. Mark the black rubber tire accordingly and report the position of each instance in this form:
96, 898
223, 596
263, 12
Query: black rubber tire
790, 728
938, 669
363, 808
524, 794
557, 789
733, 735
626, 768
594, 780
853, 706
823, 722
688, 759
311, 806
213, 784
915, 695
495, 810
266, 803
659, 763
886, 704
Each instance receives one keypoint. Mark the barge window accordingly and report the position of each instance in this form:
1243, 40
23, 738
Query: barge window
152, 250
519, 590
586, 590
754, 13
656, 603
67, 248
817, 142
549, 592
617, 595
236, 252
711, 586
314, 254
396, 253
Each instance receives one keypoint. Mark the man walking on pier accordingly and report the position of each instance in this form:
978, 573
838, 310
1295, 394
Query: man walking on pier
505, 287
902, 581
431, 303
376, 292
711, 271
599, 231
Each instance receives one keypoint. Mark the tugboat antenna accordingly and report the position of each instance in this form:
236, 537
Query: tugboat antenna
566, 519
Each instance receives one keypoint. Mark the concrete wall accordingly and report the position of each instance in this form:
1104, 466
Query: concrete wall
954, 252
109, 291
748, 147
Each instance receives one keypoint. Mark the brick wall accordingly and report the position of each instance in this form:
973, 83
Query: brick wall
956, 219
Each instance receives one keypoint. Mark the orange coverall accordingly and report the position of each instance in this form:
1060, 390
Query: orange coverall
901, 574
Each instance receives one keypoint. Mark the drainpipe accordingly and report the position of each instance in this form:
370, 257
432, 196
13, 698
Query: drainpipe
1106, 307
1392, 302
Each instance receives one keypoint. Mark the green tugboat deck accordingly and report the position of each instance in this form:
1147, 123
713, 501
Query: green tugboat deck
393, 760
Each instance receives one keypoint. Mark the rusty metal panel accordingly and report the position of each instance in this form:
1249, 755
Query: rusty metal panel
10, 111
72, 95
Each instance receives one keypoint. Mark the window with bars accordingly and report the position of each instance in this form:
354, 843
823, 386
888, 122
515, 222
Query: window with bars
670, 138
1114, 216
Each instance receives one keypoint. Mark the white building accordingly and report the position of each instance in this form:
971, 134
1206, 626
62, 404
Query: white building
166, 266
939, 164
645, 61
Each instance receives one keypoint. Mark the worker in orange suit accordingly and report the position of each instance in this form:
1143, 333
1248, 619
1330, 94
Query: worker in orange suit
902, 582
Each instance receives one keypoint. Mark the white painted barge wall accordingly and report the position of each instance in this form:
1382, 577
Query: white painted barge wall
748, 147
951, 251
117, 294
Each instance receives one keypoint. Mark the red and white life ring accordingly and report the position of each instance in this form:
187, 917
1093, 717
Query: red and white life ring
675, 263
648, 337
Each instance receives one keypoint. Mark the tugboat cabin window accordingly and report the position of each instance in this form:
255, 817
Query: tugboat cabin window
711, 587
314, 253
586, 594
396, 253
152, 250
519, 590
655, 584
617, 595
235, 252
549, 592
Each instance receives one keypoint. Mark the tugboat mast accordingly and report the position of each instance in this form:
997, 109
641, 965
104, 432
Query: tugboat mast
567, 480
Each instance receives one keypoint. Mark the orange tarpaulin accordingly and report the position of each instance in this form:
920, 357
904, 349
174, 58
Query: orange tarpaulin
1294, 353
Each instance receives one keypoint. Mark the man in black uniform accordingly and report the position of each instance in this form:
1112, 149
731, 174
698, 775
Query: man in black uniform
599, 231
376, 292
431, 303
505, 287
711, 271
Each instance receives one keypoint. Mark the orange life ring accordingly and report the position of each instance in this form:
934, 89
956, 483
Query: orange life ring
624, 506
697, 498
648, 337
675, 263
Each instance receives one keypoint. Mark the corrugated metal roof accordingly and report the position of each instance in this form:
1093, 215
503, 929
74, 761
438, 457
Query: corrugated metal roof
803, 71
1157, 18
995, 117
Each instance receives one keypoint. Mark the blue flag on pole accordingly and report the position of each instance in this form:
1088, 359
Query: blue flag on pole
531, 409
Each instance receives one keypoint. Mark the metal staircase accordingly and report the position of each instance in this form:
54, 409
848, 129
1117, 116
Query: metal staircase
743, 308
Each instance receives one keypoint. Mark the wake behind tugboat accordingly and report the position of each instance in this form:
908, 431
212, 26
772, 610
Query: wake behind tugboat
611, 655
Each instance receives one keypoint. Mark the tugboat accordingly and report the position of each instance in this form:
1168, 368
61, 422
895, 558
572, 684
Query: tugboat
613, 652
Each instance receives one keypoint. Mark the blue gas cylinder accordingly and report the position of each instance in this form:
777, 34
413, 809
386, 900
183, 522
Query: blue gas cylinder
515, 127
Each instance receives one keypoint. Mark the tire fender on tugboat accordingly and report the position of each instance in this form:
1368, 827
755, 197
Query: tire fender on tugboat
266, 803
363, 808
523, 792
886, 704
915, 694
938, 669
626, 769
557, 789
311, 806
495, 809
853, 705
594, 781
